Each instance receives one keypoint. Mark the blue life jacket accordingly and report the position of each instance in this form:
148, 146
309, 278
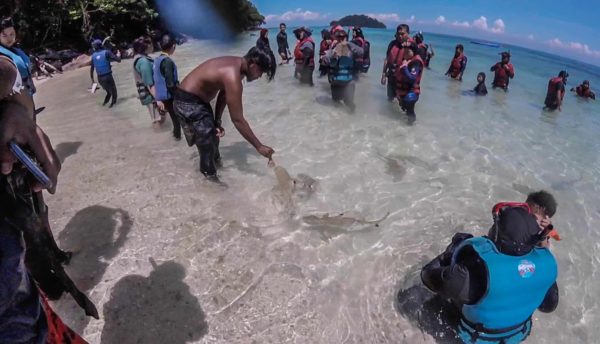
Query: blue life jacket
160, 83
342, 70
101, 63
516, 287
20, 59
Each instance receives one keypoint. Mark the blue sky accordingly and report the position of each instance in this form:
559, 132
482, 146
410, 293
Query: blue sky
568, 28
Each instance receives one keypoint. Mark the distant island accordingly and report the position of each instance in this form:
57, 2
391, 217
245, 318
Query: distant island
362, 21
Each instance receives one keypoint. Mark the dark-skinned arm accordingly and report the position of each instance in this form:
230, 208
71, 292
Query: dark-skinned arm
220, 107
233, 98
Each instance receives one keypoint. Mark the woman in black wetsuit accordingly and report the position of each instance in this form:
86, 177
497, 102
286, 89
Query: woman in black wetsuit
262, 42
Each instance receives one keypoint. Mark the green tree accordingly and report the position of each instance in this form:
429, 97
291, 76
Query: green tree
240, 15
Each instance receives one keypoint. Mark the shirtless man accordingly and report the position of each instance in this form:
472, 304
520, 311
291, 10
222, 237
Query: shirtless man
220, 77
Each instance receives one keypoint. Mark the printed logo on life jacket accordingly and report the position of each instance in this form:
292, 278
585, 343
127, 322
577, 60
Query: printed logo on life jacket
526, 268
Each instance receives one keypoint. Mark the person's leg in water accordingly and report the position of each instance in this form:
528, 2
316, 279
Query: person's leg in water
348, 94
307, 75
336, 93
174, 119
155, 116
391, 88
207, 159
410, 111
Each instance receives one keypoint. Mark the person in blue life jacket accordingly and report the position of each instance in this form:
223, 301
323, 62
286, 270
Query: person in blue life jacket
499, 280
143, 74
166, 81
101, 58
341, 59
9, 48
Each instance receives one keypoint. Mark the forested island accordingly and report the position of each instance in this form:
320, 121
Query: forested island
362, 21
60, 24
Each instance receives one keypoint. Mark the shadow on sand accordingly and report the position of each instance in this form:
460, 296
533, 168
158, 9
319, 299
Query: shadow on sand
154, 310
66, 149
95, 235
239, 152
429, 312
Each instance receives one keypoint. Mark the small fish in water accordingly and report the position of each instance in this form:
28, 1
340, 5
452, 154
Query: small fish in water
289, 189
339, 220
394, 168
416, 161
286, 183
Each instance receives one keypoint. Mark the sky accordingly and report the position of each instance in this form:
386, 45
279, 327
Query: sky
568, 28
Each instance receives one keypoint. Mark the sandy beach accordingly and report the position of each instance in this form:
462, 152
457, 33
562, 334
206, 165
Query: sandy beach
171, 258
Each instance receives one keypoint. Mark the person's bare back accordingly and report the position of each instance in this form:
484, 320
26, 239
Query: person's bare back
222, 77
211, 76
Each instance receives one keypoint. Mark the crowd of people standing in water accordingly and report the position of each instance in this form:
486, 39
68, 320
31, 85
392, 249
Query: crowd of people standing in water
497, 281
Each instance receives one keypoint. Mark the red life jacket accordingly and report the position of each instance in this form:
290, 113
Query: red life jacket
324, 46
404, 86
553, 87
423, 51
395, 57
585, 94
299, 55
456, 65
360, 60
501, 75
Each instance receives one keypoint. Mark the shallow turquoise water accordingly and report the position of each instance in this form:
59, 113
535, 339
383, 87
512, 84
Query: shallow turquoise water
315, 285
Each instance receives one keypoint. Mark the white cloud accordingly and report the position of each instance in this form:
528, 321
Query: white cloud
385, 17
481, 23
574, 47
498, 26
556, 43
391, 18
298, 14
461, 24
530, 37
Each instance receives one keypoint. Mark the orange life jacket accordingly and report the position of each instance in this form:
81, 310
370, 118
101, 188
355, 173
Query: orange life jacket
324, 46
299, 55
553, 87
583, 93
403, 86
501, 75
456, 65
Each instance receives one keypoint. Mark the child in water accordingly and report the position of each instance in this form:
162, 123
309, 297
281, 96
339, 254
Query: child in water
480, 89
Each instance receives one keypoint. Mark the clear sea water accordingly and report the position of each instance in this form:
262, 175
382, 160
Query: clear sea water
262, 276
